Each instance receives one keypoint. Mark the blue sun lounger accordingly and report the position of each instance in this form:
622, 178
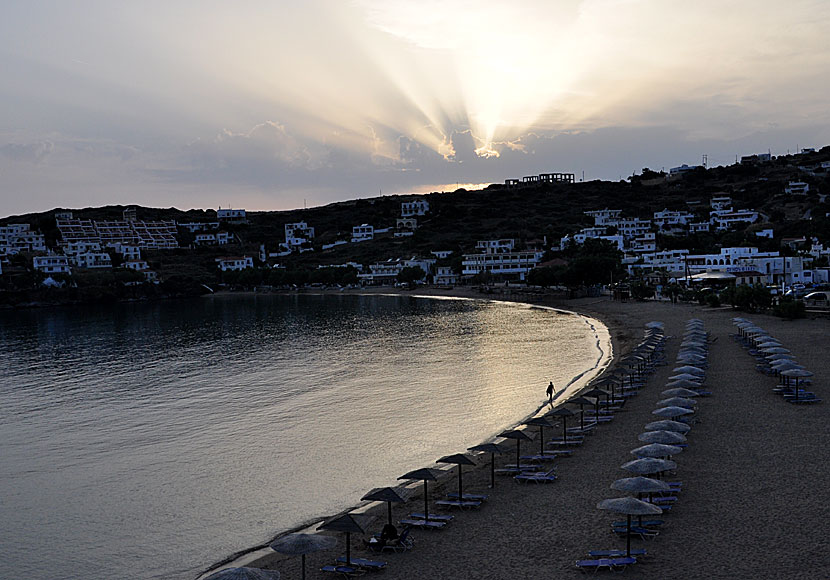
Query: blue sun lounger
468, 496
644, 523
345, 571
432, 517
458, 503
539, 477
615, 564
363, 563
423, 524
643, 533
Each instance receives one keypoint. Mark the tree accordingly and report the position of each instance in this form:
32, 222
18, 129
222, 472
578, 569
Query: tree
410, 275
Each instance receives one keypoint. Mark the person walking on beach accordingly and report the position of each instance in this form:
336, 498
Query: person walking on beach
550, 392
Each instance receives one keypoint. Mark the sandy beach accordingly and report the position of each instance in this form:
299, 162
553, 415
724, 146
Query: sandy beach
754, 475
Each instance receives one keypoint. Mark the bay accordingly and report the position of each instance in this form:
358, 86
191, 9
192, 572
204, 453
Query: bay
151, 440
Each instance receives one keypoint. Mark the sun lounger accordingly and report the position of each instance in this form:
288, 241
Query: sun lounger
660, 500
458, 503
468, 496
539, 477
423, 524
615, 564
363, 563
641, 532
804, 400
539, 457
644, 523
432, 517
345, 571
521, 467
616, 553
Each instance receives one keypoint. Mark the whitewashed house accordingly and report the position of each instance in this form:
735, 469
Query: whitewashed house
501, 259
363, 233
405, 227
232, 215
444, 276
297, 234
16, 238
52, 264
235, 263
414, 208
605, 217
92, 260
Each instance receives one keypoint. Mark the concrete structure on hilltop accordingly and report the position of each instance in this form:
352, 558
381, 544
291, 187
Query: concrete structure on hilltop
229, 215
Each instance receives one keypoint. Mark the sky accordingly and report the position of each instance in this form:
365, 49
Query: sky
269, 105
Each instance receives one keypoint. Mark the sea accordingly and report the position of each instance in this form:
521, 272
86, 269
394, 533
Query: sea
152, 440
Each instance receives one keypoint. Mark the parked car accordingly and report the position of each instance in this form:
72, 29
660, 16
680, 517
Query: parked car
817, 298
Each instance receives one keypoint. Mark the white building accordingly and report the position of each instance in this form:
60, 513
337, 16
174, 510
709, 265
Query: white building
231, 215
699, 227
297, 234
444, 276
633, 227
92, 260
137, 265
501, 259
235, 263
382, 272
797, 188
721, 202
363, 233
414, 208
725, 219
672, 218
52, 264
765, 233
441, 254
496, 246
605, 217
680, 170
80, 247
405, 227
16, 238
128, 253
194, 227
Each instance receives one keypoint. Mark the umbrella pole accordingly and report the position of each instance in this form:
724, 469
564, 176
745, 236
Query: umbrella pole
389, 511
582, 417
348, 549
492, 470
541, 440
303, 566
518, 453
426, 502
564, 428
628, 538
460, 495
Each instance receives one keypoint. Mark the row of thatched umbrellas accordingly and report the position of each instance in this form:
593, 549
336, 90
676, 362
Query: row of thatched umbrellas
302, 544
776, 357
663, 436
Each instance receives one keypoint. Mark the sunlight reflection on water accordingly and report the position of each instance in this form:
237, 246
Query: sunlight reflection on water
151, 440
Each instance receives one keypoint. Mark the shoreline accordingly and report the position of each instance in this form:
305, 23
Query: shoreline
255, 554
749, 475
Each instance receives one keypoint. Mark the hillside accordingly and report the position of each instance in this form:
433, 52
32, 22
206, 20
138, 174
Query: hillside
458, 219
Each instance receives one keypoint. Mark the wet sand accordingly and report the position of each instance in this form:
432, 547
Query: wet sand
754, 499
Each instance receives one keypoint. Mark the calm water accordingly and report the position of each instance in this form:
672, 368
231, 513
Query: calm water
151, 440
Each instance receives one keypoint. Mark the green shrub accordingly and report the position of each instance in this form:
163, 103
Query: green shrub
790, 309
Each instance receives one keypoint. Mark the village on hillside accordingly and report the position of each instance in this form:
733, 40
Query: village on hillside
655, 254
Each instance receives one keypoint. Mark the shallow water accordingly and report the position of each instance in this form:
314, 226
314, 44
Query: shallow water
151, 440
